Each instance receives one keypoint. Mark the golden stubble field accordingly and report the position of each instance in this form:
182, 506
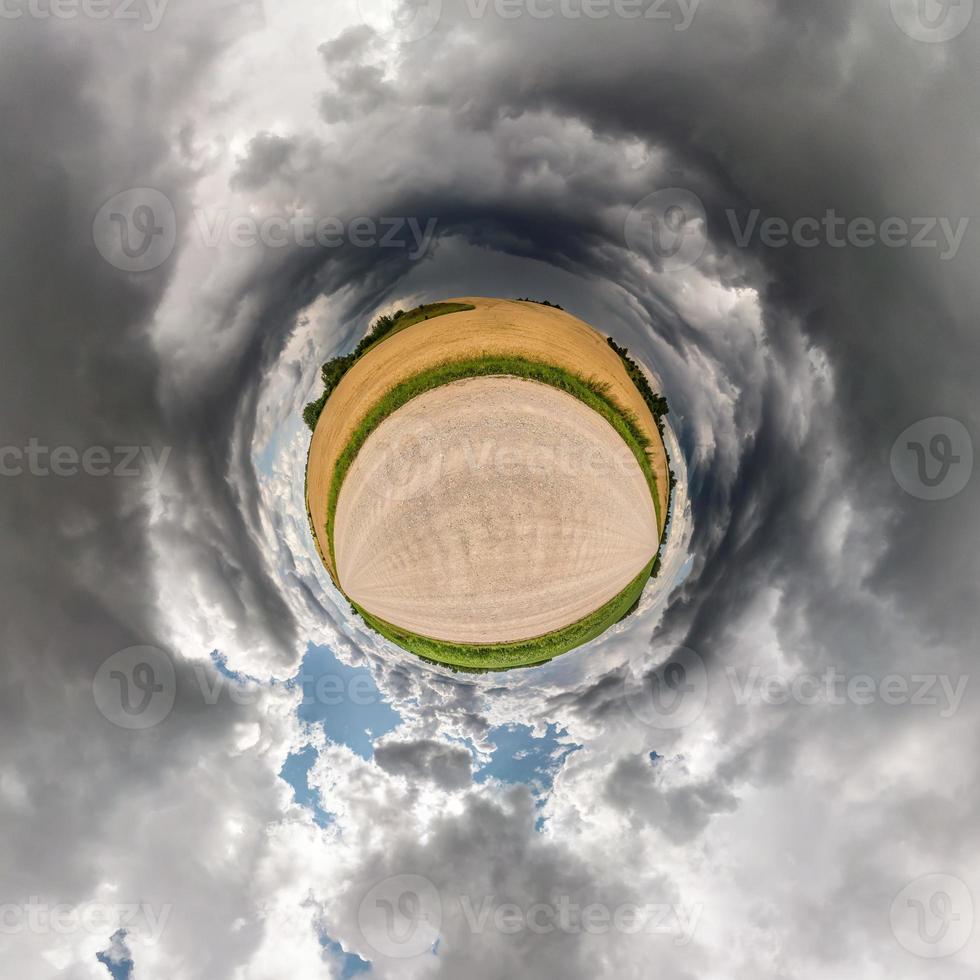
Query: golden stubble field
495, 326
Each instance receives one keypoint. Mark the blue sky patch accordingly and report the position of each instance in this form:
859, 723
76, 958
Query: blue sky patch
347, 705
117, 958
519, 757
351, 963
296, 772
344, 701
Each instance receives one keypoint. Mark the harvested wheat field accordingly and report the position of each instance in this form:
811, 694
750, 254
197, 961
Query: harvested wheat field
492, 510
494, 326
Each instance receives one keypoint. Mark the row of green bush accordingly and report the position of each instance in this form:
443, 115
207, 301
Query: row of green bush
656, 403
336, 368
658, 408
540, 302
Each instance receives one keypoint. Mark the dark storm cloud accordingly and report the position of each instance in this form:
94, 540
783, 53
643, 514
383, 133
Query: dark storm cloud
267, 153
794, 498
490, 859
348, 45
448, 766
78, 370
532, 143
359, 88
518, 146
681, 812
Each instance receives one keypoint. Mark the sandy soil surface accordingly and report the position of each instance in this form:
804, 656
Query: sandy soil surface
492, 510
496, 326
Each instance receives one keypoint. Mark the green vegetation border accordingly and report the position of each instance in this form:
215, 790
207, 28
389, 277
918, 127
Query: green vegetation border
402, 321
383, 328
524, 653
333, 372
593, 393
536, 650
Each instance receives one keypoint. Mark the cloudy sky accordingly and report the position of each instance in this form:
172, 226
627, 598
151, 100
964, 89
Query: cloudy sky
208, 771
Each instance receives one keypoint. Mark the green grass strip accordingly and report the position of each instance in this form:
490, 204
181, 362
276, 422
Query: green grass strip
336, 369
502, 656
524, 653
591, 392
